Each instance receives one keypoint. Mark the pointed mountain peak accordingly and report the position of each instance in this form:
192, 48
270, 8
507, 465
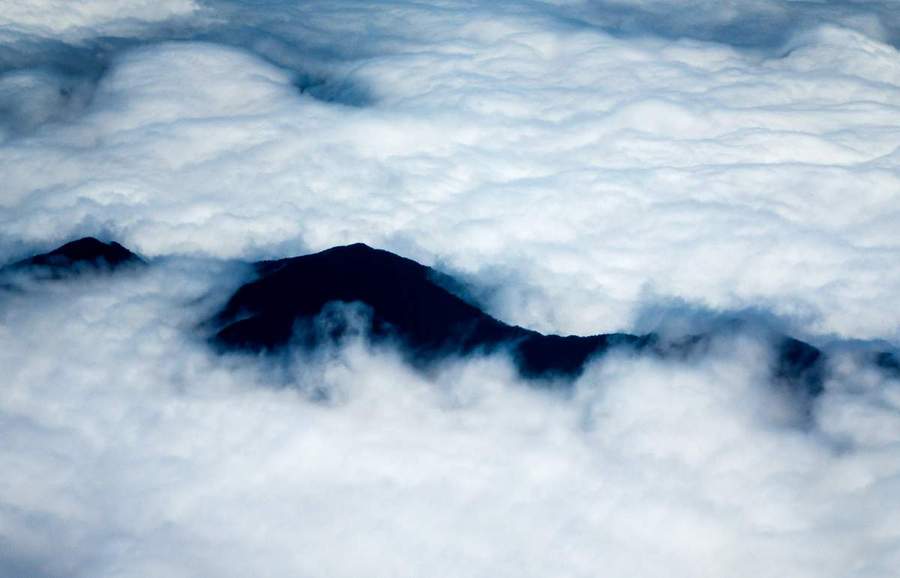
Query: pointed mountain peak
75, 257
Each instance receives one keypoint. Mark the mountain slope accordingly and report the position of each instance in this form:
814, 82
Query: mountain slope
405, 303
84, 255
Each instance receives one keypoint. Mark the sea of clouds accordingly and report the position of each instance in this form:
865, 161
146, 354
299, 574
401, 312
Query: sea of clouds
583, 167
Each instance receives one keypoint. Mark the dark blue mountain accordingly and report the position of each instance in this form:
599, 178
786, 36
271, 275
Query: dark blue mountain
407, 305
86, 255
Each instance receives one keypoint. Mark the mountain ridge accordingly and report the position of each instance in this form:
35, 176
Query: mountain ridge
404, 303
87, 254
430, 321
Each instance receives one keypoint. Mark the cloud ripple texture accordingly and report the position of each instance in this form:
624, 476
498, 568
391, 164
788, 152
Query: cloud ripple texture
582, 166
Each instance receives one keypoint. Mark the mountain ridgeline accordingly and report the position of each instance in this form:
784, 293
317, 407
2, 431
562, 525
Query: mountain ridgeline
86, 255
407, 305
404, 303
284, 305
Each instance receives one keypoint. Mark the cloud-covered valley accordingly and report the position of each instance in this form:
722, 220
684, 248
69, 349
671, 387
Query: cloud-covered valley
581, 167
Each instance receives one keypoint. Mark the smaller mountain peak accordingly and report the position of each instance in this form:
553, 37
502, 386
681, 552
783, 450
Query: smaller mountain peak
89, 248
362, 255
87, 253
83, 242
354, 248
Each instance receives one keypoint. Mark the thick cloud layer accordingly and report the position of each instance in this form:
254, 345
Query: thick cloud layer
584, 166
131, 450
588, 174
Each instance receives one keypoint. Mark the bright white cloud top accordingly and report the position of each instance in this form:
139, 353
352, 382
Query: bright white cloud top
586, 166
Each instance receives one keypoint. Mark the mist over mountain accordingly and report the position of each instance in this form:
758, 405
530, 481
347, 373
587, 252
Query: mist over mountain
404, 303
293, 303
82, 255
454, 287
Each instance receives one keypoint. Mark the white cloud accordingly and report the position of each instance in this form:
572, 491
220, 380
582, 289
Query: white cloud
141, 454
596, 169
752, 23
581, 165
77, 18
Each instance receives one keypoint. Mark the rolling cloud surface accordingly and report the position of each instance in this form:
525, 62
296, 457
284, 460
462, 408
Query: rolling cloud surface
581, 167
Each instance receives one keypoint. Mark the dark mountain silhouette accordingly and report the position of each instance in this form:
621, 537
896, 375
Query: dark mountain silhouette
405, 304
887, 362
408, 305
82, 256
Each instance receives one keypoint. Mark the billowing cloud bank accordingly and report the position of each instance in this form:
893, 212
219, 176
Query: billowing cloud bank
131, 450
590, 171
585, 166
